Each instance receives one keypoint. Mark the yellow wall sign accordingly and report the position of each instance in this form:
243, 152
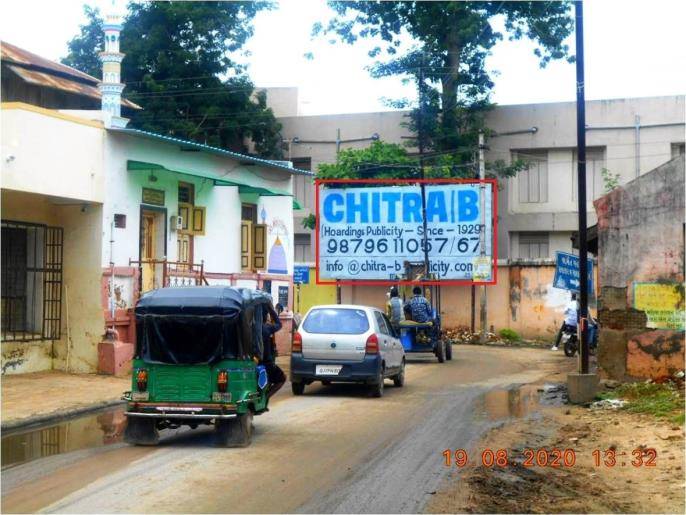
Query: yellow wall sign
663, 303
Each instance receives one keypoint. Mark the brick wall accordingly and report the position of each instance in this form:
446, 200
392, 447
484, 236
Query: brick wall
641, 240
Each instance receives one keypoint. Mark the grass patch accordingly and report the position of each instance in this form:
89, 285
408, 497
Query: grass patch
509, 335
659, 400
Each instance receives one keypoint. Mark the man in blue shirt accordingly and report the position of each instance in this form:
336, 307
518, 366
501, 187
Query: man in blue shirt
418, 306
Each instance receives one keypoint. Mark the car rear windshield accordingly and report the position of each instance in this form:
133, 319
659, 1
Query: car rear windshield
336, 321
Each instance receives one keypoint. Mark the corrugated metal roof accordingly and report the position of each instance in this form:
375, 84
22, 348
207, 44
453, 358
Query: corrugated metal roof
53, 81
213, 150
37, 70
18, 55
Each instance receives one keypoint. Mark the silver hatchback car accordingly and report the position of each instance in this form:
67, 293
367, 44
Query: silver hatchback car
346, 343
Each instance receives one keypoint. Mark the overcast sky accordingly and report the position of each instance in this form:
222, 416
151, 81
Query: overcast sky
633, 49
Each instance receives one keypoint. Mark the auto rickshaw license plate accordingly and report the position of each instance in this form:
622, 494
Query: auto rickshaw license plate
328, 370
140, 396
221, 397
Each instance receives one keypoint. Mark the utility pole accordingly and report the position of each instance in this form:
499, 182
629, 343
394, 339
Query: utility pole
581, 177
420, 134
338, 151
482, 233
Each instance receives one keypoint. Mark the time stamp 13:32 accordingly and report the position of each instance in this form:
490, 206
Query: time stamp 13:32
555, 458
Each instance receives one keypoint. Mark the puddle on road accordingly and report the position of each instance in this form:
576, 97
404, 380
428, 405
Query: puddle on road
519, 401
96, 430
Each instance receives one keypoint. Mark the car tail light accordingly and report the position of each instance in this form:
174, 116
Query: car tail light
372, 346
142, 379
297, 344
222, 381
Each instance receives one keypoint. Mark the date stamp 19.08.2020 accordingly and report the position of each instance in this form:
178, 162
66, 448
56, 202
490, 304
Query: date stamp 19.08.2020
555, 458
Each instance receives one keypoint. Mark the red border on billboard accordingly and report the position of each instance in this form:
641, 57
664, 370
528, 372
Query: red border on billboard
386, 282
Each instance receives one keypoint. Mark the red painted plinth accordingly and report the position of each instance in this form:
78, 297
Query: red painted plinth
114, 356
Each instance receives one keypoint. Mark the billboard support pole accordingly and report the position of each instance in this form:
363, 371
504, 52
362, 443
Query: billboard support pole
482, 235
420, 134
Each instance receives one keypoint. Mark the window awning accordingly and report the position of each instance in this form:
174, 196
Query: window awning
141, 166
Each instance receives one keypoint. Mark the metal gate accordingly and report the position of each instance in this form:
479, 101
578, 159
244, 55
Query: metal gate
31, 281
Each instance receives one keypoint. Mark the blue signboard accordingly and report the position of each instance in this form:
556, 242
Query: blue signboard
369, 233
301, 274
567, 272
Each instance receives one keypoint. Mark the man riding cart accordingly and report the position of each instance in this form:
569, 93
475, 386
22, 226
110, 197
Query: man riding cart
421, 329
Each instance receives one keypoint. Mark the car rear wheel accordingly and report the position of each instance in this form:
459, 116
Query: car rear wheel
297, 388
141, 431
376, 389
399, 379
234, 432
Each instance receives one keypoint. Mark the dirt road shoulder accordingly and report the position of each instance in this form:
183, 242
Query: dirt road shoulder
606, 461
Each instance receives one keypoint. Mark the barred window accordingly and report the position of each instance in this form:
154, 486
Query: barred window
31, 281
533, 245
533, 181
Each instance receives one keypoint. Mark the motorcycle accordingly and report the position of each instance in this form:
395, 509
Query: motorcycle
570, 341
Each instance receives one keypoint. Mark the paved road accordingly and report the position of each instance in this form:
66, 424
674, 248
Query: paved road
331, 450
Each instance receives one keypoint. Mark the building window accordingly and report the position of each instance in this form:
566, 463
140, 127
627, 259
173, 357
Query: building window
678, 149
595, 162
31, 281
303, 248
533, 181
253, 240
533, 245
303, 187
186, 193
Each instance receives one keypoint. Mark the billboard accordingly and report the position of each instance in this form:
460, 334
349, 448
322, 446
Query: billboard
367, 230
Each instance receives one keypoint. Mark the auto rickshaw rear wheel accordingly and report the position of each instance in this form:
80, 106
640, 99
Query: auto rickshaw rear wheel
448, 350
234, 432
141, 431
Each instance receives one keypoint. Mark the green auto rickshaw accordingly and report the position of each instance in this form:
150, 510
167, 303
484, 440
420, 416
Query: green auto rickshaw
197, 350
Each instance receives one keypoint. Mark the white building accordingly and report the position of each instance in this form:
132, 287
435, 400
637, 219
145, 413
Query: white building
537, 209
94, 213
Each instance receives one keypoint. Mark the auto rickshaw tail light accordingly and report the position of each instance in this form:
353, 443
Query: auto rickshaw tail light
222, 381
297, 344
142, 379
372, 346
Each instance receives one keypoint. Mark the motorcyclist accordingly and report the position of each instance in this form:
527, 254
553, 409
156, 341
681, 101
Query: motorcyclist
570, 321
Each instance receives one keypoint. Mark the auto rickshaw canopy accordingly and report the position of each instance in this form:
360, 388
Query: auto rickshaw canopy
200, 324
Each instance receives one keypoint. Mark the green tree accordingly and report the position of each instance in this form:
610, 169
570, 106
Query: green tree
181, 66
84, 48
448, 46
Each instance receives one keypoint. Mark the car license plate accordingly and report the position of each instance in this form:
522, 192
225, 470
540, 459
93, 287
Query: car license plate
328, 370
140, 396
221, 397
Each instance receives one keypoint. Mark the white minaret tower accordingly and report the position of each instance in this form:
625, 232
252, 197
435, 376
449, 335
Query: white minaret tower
111, 86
